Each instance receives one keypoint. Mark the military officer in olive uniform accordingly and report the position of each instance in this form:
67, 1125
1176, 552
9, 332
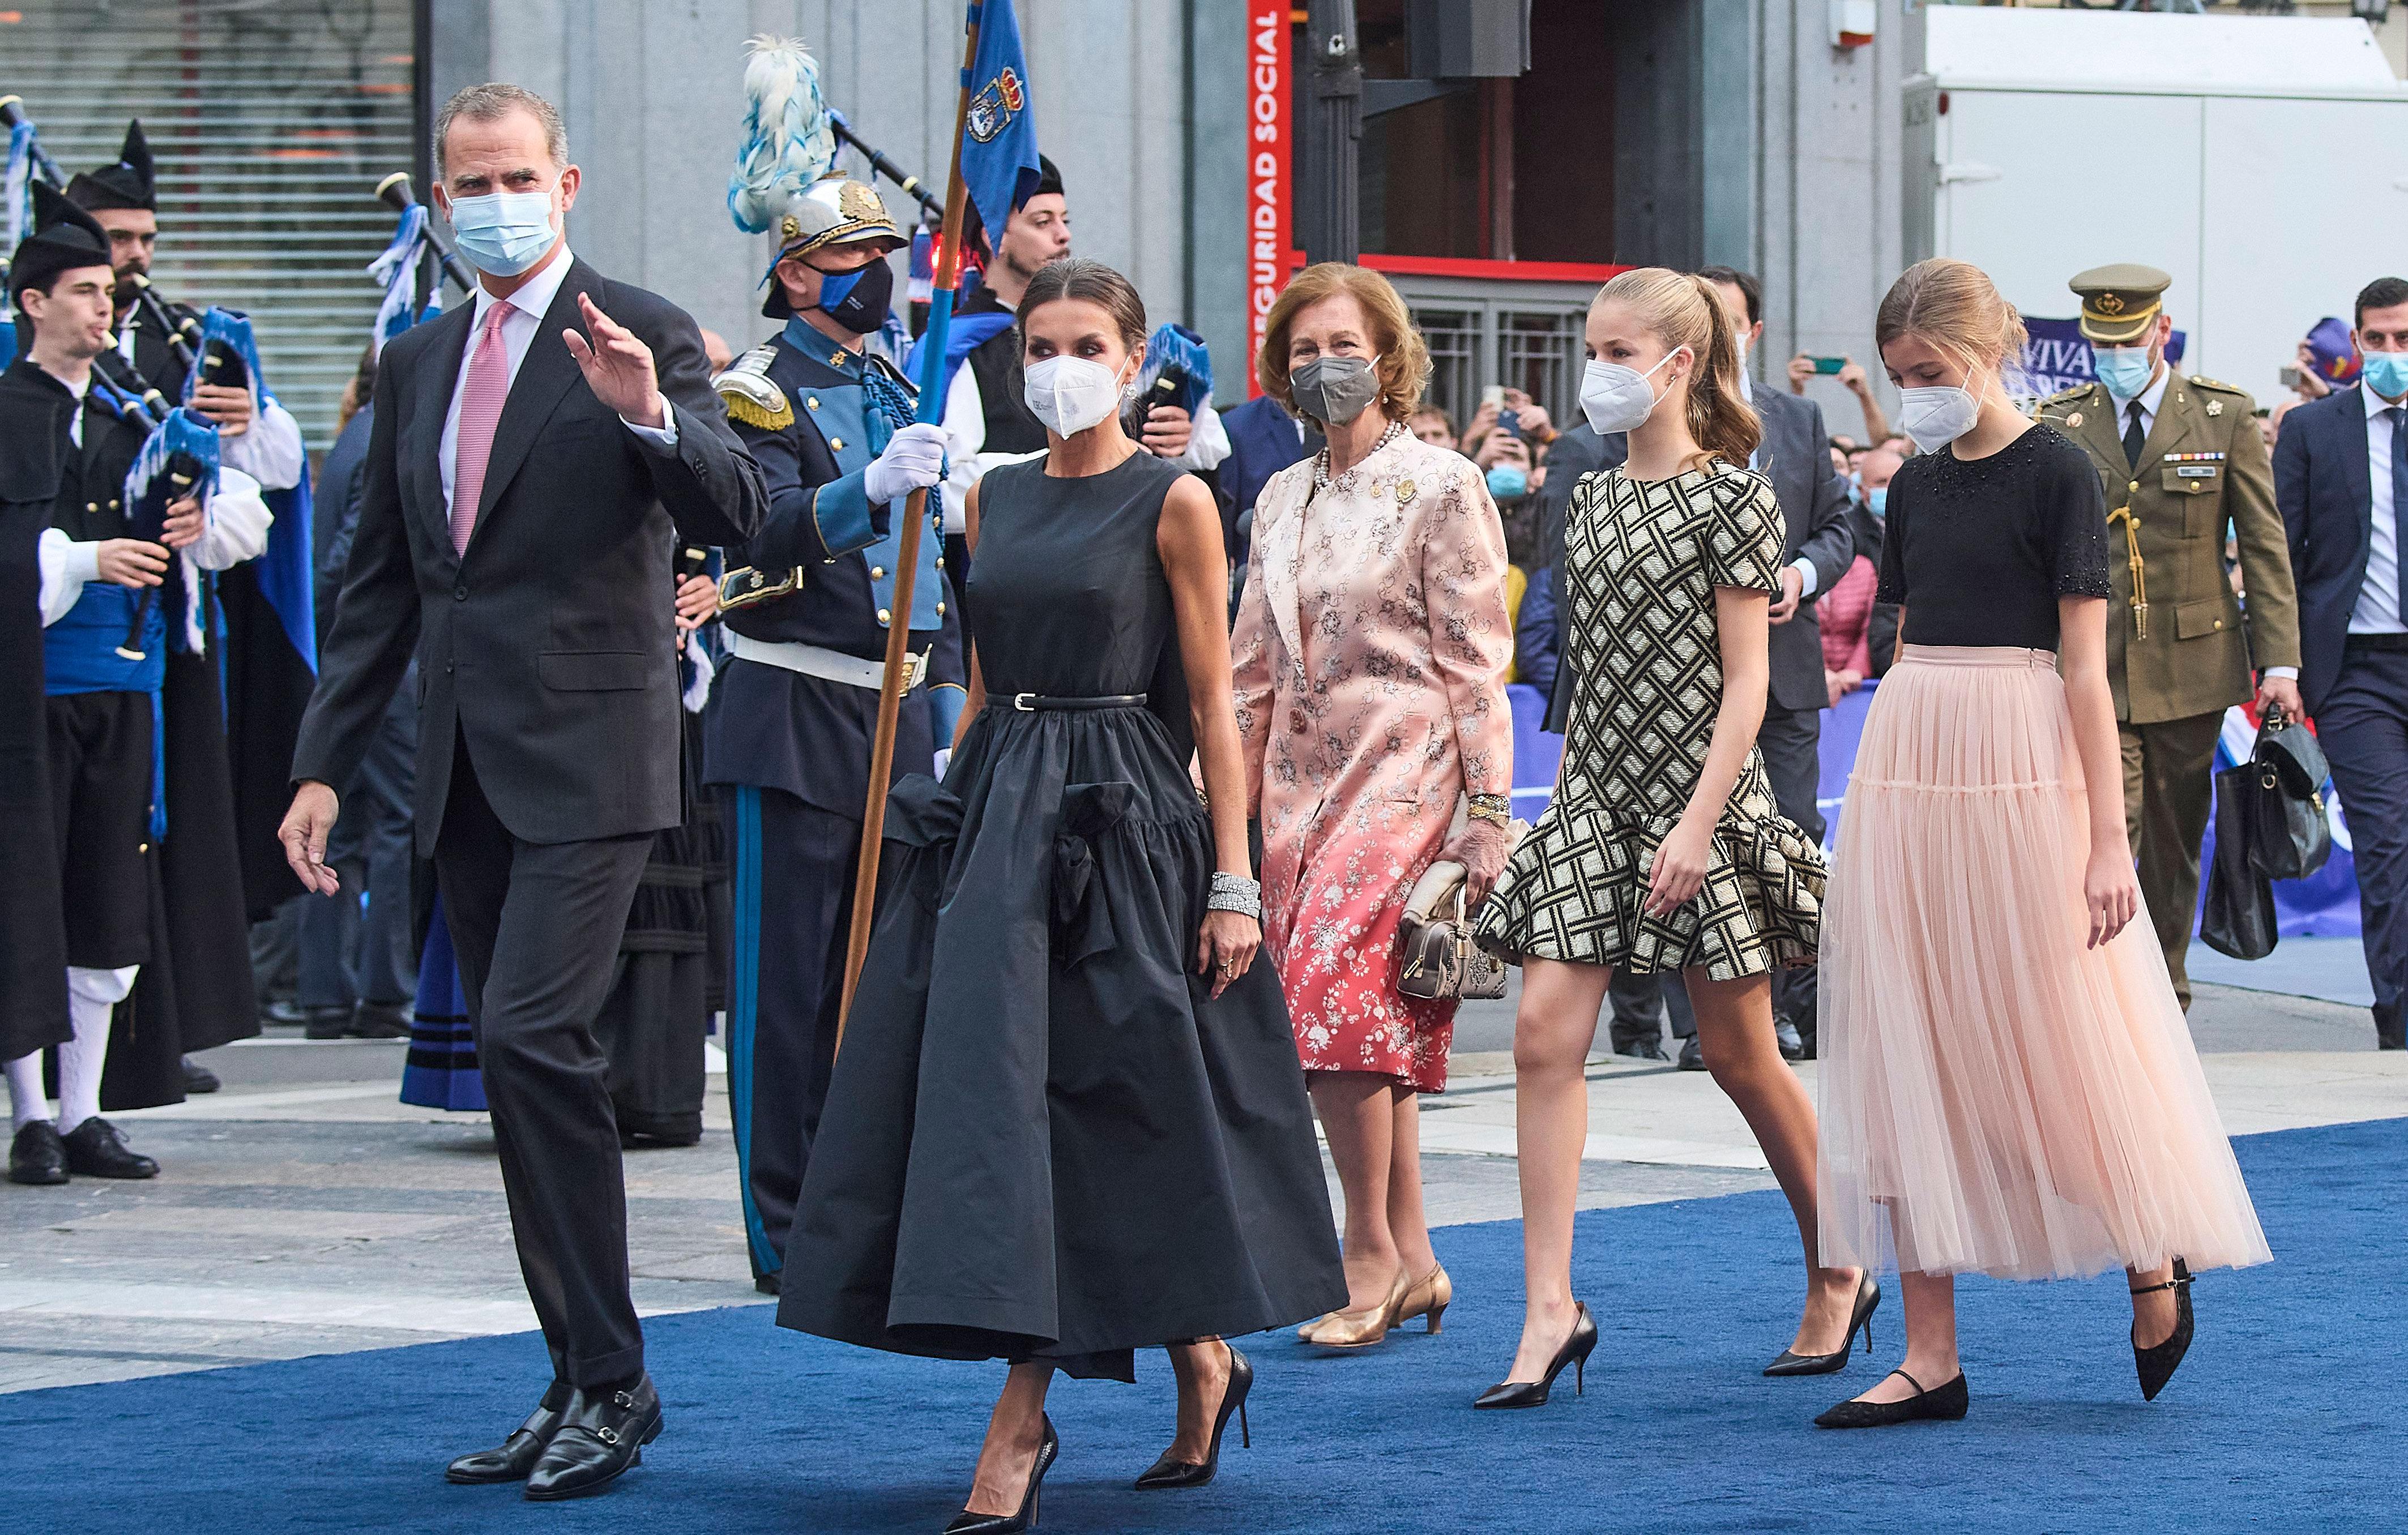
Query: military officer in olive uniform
806, 605
2182, 464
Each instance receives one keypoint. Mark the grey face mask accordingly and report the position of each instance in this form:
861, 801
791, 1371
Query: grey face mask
1335, 390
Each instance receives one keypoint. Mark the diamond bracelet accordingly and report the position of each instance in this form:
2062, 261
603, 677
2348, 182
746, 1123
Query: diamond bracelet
1236, 893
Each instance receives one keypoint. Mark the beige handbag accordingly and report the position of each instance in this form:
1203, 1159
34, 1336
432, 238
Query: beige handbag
1435, 958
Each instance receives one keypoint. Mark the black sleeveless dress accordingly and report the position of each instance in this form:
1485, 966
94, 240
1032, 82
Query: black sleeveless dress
1043, 1139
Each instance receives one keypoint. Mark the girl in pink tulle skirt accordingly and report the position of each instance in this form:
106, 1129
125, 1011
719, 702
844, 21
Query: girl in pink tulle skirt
2008, 1087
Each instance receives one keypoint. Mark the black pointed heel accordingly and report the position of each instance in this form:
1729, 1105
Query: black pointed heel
1574, 1353
967, 1523
1867, 1301
1166, 1474
1943, 1403
2156, 1364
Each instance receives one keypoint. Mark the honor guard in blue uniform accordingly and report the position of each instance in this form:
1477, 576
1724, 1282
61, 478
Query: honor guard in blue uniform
806, 607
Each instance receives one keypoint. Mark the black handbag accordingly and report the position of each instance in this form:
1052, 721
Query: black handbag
2290, 838
2239, 918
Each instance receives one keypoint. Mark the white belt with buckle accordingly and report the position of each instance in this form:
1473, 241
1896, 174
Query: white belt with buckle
828, 664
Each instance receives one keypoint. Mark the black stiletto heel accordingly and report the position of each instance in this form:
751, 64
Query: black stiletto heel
1868, 1300
1166, 1473
2157, 1363
1574, 1353
966, 1523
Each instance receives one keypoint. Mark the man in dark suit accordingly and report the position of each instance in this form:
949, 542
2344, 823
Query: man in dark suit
526, 489
1816, 549
1263, 440
2341, 479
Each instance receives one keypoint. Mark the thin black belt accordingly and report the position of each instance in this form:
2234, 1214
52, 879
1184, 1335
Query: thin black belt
2376, 642
1028, 703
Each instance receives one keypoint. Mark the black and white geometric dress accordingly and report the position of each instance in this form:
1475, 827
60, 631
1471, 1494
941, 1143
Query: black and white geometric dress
1641, 560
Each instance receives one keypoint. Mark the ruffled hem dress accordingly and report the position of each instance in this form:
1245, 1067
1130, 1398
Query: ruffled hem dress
1642, 561
1044, 1138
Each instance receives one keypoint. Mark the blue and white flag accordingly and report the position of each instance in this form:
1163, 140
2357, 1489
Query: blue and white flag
1000, 165
397, 271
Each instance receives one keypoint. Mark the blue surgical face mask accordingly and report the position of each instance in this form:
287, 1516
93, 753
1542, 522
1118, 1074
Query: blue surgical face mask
1877, 500
2386, 373
504, 233
1508, 482
2125, 370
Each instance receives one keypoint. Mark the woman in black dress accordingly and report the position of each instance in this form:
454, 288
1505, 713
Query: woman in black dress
1068, 1121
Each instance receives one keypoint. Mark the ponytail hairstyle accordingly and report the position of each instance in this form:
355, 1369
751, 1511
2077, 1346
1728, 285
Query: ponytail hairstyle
1681, 310
1954, 305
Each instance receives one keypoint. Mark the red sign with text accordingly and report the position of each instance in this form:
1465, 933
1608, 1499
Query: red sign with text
1270, 129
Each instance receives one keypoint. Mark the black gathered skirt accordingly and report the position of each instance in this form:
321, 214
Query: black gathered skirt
1043, 1140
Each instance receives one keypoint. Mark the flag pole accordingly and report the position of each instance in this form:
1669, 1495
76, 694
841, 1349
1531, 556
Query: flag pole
898, 628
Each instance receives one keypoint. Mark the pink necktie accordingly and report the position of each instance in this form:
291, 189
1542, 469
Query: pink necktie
481, 412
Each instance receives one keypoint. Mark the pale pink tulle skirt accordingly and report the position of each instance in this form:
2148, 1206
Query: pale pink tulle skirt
1996, 1098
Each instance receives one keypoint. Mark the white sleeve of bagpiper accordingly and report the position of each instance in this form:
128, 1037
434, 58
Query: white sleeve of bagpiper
236, 527
65, 566
270, 453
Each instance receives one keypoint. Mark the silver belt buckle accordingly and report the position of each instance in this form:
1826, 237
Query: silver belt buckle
1020, 701
916, 671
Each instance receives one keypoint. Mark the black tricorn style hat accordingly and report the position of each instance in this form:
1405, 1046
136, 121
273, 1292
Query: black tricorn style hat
128, 183
65, 238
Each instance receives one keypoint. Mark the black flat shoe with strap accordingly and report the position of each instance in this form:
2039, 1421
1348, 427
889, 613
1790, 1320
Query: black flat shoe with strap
2156, 1364
1946, 1402
1166, 1474
1574, 1353
1868, 1299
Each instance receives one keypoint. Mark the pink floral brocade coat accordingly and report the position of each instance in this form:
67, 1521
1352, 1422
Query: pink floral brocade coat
1371, 650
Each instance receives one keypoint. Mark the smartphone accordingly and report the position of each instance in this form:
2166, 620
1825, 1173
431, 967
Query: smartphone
2288, 377
1829, 364
1493, 394
1509, 422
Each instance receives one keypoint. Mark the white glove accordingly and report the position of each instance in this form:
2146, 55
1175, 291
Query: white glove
914, 460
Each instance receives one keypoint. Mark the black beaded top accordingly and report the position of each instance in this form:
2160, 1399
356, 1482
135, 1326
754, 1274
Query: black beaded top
1980, 550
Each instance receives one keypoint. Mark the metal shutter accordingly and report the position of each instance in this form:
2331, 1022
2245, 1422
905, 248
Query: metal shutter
271, 124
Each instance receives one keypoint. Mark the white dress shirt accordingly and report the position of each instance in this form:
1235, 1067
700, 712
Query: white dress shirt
2378, 601
528, 305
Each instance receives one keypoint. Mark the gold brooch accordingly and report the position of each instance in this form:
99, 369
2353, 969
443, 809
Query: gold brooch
1406, 491
2215, 407
2074, 420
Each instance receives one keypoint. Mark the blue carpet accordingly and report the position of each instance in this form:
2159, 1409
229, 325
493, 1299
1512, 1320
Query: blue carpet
2286, 1414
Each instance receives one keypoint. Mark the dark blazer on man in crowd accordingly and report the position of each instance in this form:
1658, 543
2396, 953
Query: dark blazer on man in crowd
2323, 485
550, 644
334, 510
1263, 440
1795, 455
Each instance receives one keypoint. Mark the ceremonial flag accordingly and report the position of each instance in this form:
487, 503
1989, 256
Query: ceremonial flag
998, 131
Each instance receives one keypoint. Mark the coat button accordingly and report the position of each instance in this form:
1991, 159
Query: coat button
113, 505
447, 668
941, 609
91, 506
885, 617
940, 562
144, 847
876, 572
836, 443
2219, 624
813, 402
2136, 525
2134, 485
459, 593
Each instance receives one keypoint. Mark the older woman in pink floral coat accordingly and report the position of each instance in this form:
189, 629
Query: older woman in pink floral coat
1370, 651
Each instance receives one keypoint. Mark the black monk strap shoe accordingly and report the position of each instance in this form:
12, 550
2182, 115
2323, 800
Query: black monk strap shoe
96, 1150
38, 1156
519, 1453
602, 1433
199, 1078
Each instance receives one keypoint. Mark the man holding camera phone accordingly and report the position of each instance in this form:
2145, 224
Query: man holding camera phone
1851, 375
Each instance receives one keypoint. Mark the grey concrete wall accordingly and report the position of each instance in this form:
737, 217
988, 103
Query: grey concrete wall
1827, 235
653, 93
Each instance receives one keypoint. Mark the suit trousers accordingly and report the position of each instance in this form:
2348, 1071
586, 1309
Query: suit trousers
536, 927
2363, 727
1791, 742
2168, 790
793, 866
